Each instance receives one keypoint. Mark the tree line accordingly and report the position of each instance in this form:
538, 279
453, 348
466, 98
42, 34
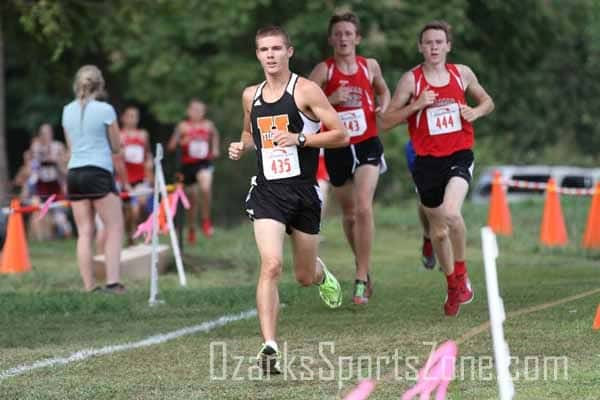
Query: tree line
537, 58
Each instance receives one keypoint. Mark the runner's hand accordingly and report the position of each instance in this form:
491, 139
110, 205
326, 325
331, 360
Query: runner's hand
341, 95
426, 98
283, 139
379, 110
182, 139
468, 113
235, 150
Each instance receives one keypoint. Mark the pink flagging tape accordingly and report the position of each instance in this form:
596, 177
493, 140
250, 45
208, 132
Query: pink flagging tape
436, 375
180, 195
145, 228
32, 205
362, 391
45, 207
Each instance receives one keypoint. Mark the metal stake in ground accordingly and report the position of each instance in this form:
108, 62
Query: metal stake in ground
154, 259
167, 209
497, 314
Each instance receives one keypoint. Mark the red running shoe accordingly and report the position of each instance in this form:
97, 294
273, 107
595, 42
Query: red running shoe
191, 237
452, 303
207, 228
465, 292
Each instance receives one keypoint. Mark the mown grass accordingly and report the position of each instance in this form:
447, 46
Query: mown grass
44, 314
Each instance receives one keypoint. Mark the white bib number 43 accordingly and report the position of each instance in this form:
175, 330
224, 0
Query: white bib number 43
198, 149
444, 119
354, 121
280, 162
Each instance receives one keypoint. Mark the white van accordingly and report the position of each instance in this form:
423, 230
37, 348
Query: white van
565, 176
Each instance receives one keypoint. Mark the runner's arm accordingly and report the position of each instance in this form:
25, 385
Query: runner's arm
400, 108
216, 141
314, 100
246, 137
174, 140
148, 158
237, 149
485, 104
319, 74
382, 92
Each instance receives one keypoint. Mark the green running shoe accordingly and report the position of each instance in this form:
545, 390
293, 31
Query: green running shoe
360, 292
330, 289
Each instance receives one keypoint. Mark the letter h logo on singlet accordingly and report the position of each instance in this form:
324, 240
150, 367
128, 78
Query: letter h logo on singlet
267, 124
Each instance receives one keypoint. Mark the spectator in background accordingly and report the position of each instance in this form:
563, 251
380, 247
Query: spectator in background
135, 144
48, 168
199, 141
23, 179
92, 134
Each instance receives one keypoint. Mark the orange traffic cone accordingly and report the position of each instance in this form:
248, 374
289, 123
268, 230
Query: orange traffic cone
591, 237
553, 231
499, 213
596, 325
15, 254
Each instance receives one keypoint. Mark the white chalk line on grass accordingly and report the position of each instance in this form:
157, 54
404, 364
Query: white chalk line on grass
149, 341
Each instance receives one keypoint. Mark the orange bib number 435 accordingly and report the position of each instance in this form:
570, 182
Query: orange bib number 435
278, 162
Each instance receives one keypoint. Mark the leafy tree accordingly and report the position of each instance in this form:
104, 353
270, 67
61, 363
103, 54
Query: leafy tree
538, 59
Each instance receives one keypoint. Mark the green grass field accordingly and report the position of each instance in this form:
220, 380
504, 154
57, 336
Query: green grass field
43, 314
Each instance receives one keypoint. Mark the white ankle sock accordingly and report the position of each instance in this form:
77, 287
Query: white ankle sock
272, 344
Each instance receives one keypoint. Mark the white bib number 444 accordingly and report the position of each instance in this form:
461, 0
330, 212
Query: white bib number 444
280, 162
354, 121
444, 119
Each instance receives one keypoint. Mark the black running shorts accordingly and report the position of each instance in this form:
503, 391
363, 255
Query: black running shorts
342, 162
431, 175
190, 171
90, 183
297, 206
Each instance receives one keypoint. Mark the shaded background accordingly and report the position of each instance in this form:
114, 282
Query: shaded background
537, 58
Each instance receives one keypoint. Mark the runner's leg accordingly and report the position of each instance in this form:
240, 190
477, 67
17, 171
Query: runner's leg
269, 235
